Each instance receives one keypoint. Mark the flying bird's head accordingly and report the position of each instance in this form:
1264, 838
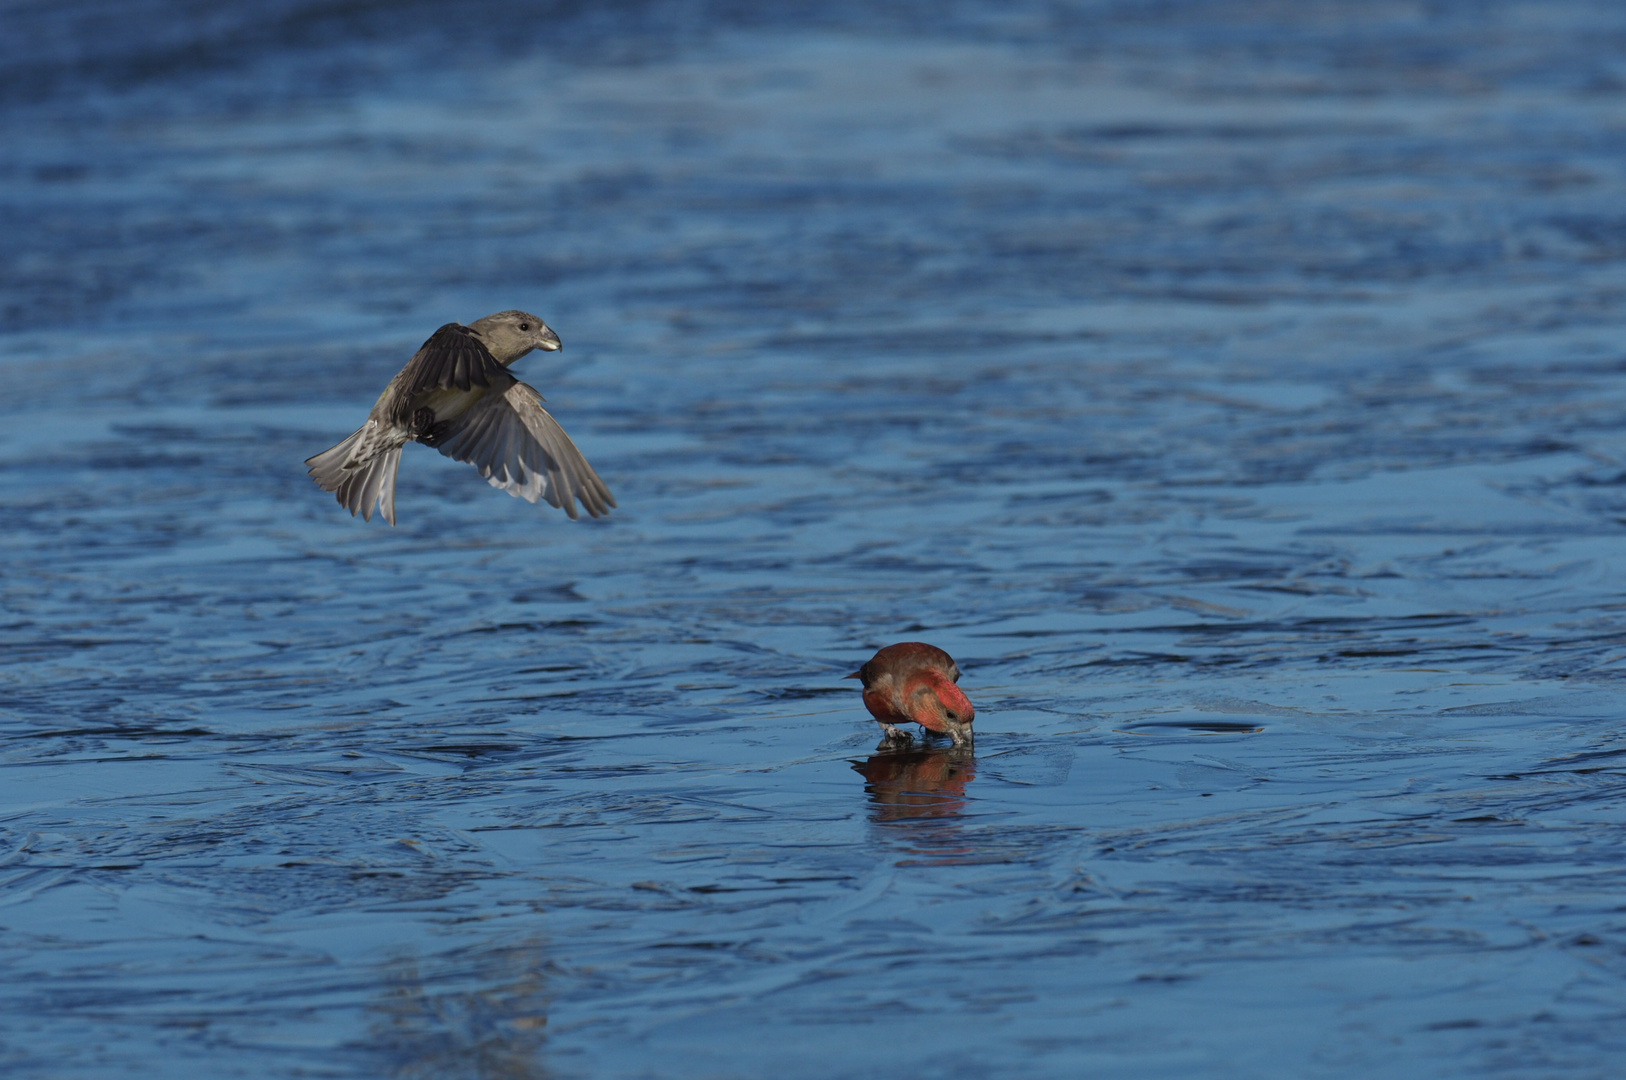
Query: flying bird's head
511, 334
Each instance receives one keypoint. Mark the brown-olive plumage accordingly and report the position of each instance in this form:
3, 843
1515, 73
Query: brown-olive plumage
457, 396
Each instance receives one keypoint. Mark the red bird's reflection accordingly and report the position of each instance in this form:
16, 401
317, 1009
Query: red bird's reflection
918, 782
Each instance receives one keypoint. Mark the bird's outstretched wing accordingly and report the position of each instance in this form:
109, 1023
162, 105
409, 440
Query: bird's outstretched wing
518, 447
454, 356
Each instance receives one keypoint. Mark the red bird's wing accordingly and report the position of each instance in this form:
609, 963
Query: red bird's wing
880, 707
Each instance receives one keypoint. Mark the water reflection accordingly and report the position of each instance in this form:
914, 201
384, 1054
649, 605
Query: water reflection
917, 781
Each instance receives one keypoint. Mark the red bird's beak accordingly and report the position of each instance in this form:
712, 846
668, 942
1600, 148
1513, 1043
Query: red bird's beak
854, 675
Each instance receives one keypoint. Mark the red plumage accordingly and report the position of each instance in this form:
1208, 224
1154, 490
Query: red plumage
914, 683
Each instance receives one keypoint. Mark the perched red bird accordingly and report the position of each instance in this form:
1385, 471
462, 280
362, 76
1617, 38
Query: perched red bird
913, 683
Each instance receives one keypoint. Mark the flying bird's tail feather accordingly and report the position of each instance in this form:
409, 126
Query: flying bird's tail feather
387, 499
373, 485
360, 472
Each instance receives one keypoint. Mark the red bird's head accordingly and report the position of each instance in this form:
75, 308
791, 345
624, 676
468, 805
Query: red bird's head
936, 704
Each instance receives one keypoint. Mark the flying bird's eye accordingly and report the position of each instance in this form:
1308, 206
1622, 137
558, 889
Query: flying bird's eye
524, 326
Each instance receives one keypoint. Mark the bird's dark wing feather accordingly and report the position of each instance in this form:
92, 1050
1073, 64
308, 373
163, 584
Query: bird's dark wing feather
454, 356
518, 447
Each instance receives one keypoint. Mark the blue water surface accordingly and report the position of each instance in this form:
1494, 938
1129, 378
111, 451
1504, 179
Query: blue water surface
1235, 388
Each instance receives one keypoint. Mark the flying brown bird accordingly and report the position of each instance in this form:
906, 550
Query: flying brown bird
457, 396
913, 683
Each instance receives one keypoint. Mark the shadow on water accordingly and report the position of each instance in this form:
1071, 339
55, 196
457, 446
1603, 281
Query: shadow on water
479, 1017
